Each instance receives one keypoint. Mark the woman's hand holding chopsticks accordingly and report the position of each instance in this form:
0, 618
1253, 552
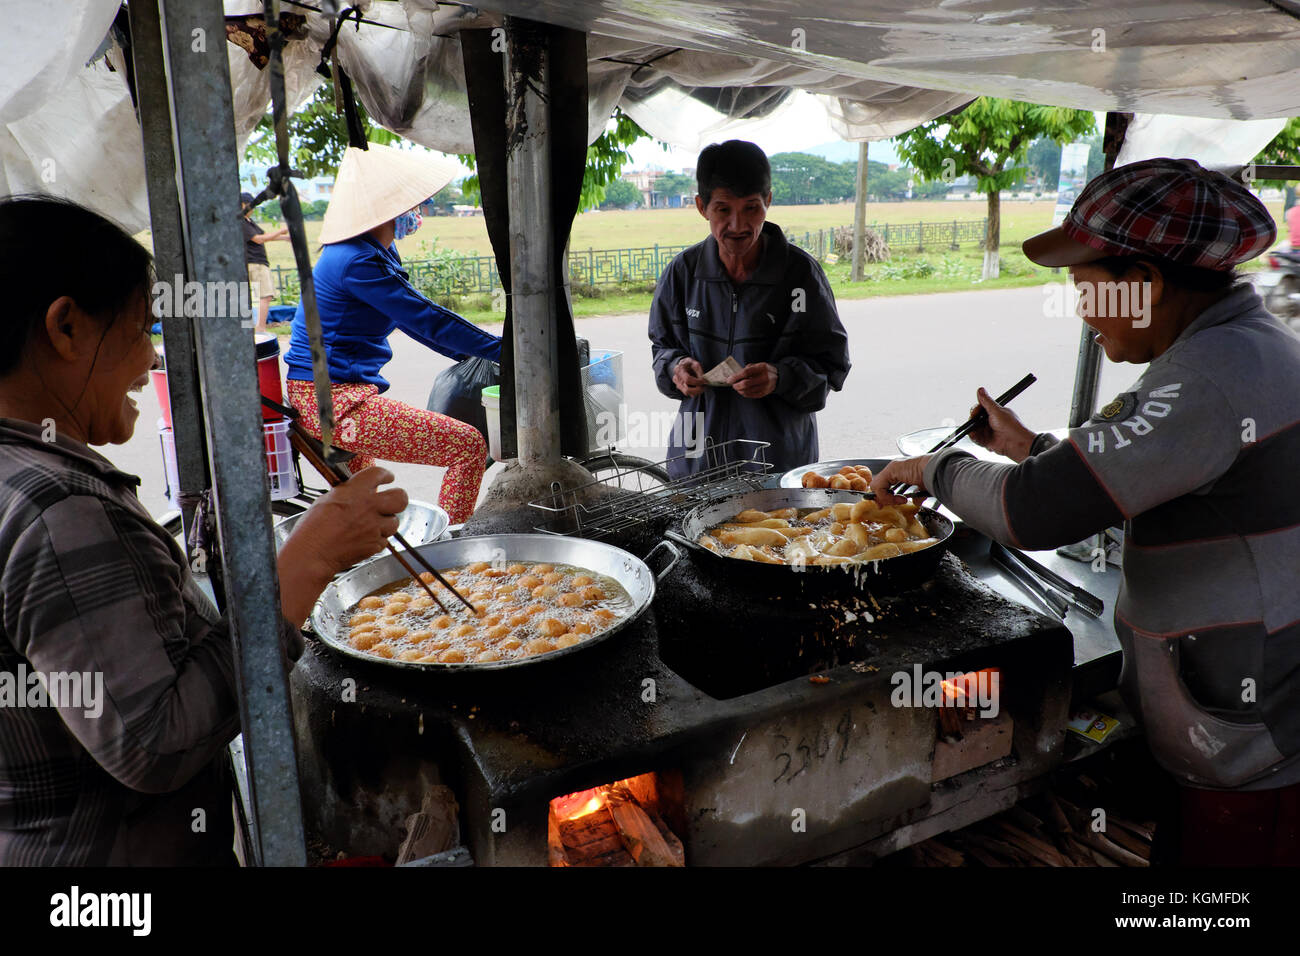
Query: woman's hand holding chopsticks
900, 473
345, 526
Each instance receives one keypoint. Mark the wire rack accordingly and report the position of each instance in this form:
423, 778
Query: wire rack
600, 508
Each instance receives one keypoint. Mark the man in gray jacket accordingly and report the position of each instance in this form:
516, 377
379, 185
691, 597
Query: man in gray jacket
745, 293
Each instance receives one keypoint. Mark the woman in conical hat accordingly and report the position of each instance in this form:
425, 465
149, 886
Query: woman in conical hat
363, 294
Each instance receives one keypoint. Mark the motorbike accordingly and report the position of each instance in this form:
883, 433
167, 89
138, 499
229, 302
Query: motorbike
1280, 286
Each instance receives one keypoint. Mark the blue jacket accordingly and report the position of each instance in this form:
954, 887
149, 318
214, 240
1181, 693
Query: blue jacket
363, 294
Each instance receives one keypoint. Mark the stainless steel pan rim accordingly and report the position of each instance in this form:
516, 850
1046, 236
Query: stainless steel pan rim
794, 477
705, 516
632, 573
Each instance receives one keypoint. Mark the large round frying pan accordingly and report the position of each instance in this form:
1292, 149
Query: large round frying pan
629, 571
884, 576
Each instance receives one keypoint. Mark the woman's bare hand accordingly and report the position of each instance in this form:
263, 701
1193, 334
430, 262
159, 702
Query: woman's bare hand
345, 526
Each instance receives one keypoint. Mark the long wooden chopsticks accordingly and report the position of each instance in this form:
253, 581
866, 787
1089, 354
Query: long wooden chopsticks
335, 473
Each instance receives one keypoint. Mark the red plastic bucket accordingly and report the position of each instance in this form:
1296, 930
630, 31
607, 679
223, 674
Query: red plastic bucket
268, 379
268, 373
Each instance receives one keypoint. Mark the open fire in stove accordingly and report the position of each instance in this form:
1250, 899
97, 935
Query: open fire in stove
616, 824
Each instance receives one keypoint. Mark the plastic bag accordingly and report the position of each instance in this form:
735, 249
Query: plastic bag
458, 391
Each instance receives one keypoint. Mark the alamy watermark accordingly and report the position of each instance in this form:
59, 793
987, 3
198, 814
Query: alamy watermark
196, 299
918, 688
641, 430
73, 690
1103, 300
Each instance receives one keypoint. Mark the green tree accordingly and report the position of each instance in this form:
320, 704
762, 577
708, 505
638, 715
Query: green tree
800, 178
674, 184
1283, 149
1044, 159
620, 194
318, 135
605, 160
989, 139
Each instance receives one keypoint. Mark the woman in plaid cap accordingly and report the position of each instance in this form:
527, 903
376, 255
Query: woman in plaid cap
1198, 460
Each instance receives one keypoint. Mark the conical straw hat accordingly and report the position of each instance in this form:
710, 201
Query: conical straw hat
378, 184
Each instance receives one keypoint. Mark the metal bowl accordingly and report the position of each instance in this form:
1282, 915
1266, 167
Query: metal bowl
419, 523
794, 477
632, 574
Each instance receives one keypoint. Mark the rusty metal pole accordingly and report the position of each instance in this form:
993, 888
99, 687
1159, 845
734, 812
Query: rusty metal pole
532, 253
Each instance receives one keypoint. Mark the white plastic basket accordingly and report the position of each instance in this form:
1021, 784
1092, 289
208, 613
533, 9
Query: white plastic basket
279, 462
602, 392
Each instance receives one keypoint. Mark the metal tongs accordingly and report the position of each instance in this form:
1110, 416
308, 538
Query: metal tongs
1058, 593
335, 471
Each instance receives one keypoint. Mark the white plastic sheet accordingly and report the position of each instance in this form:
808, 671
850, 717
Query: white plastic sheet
43, 46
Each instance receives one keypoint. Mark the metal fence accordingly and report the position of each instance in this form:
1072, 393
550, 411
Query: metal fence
451, 275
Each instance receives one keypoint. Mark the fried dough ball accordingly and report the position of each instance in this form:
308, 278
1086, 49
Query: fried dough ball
864, 471
539, 646
478, 567
480, 597
432, 647
518, 620
840, 483
536, 608
540, 569
813, 480
452, 655
443, 621
399, 597
593, 593
529, 581
382, 650
582, 627
364, 640
750, 515
419, 637
582, 580
547, 591
846, 470
497, 633
411, 655
567, 640
491, 654
511, 644
362, 619
428, 577
571, 599
552, 627
492, 620
553, 577
475, 646
371, 602
422, 603
604, 614
465, 630
393, 633
858, 483
516, 569
861, 510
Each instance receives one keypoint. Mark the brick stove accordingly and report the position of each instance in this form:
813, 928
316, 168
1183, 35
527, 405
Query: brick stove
765, 719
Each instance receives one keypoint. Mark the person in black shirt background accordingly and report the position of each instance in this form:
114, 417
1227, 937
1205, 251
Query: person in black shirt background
260, 279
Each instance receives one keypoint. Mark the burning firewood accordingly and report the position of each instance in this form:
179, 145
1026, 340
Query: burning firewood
643, 839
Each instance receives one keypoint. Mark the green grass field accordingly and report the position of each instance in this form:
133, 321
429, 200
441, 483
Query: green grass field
909, 273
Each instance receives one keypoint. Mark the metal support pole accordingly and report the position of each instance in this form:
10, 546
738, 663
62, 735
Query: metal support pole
532, 253
206, 159
1087, 370
168, 249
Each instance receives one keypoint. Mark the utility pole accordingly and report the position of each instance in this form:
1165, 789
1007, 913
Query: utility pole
860, 212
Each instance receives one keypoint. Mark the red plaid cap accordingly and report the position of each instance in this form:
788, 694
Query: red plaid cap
1171, 209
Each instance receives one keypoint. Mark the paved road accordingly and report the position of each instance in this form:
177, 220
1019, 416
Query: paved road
916, 362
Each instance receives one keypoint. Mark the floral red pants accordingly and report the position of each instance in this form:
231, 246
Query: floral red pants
378, 427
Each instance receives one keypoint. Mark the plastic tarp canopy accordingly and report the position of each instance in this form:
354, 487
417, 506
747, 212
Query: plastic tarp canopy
687, 72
